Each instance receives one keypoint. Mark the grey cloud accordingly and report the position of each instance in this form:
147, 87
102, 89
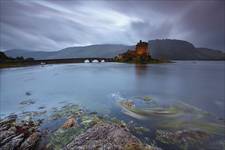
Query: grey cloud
53, 25
147, 30
205, 21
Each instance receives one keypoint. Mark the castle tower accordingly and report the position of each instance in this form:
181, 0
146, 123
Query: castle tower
142, 49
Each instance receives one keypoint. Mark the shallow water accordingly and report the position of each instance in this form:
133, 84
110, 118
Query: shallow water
99, 86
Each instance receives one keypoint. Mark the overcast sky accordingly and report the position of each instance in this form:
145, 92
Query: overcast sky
53, 25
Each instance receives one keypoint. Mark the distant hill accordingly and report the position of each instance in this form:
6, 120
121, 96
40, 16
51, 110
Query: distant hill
29, 53
104, 50
3, 57
182, 50
164, 49
6, 61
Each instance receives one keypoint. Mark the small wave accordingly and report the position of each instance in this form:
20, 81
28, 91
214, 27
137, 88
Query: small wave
117, 96
219, 103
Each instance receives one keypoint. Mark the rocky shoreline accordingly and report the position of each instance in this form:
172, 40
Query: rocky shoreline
72, 127
22, 135
79, 130
25, 135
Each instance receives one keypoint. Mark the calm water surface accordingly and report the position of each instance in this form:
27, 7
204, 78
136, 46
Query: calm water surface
95, 85
98, 86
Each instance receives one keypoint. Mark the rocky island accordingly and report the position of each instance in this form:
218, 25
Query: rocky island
141, 55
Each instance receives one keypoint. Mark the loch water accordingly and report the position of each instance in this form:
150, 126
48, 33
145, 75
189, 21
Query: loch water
100, 87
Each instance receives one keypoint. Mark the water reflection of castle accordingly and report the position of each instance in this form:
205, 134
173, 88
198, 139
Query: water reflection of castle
141, 69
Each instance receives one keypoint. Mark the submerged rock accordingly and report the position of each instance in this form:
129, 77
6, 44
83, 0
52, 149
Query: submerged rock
29, 115
147, 98
174, 110
203, 125
28, 93
41, 107
128, 104
140, 113
106, 136
27, 102
144, 98
66, 111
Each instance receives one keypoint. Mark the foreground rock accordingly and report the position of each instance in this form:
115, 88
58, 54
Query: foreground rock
70, 123
107, 136
23, 135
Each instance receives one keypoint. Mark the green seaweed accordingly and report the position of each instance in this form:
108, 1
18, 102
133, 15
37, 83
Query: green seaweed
144, 98
61, 137
157, 111
210, 128
183, 139
66, 111
89, 120
141, 130
118, 122
147, 98
175, 110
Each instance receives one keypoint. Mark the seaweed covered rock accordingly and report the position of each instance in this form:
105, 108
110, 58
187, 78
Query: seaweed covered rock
106, 136
187, 138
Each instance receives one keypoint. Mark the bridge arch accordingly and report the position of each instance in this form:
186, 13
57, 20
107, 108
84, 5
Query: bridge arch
95, 61
86, 61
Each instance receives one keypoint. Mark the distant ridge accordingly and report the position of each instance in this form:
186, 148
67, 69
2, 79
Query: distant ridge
182, 50
162, 49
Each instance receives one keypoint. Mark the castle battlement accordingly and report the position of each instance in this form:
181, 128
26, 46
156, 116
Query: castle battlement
142, 49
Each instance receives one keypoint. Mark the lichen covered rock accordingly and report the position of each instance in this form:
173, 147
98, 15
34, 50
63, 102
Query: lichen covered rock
106, 136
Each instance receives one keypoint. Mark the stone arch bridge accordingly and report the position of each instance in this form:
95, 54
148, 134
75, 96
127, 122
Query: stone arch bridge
75, 60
